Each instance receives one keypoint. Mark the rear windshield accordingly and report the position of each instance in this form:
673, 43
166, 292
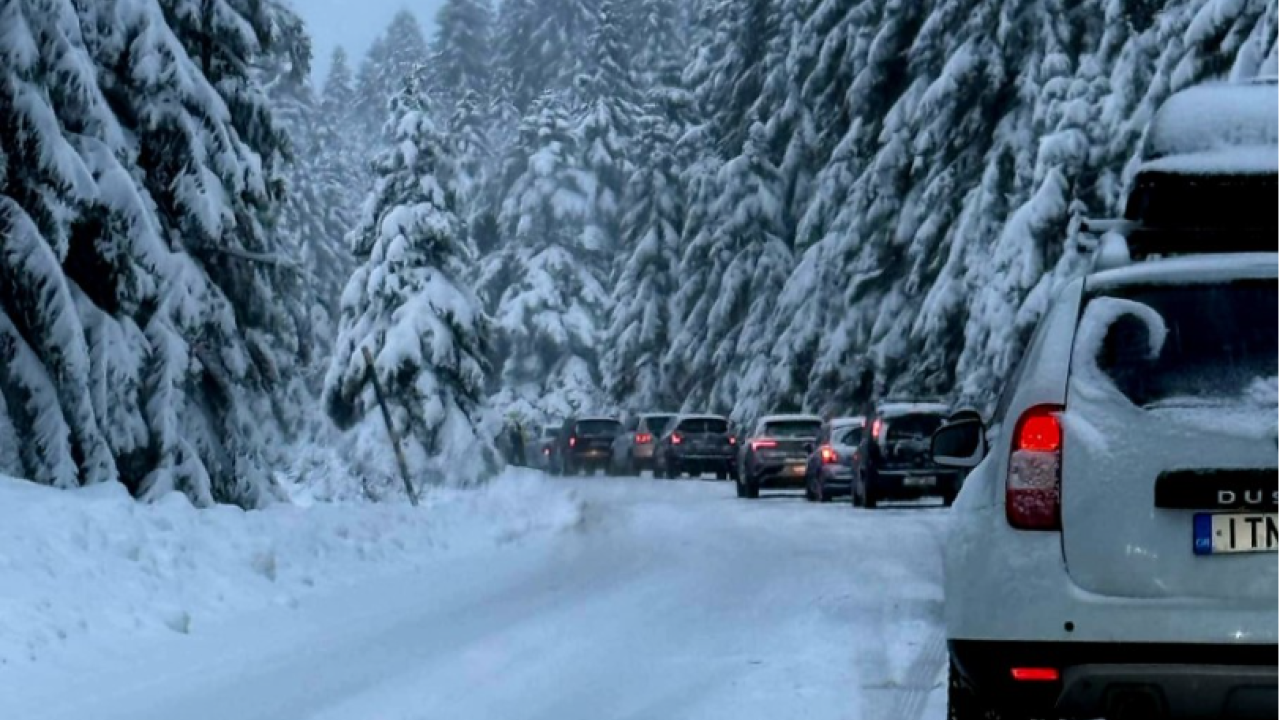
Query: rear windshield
598, 427
550, 431
705, 425
848, 436
912, 427
1219, 343
794, 429
658, 423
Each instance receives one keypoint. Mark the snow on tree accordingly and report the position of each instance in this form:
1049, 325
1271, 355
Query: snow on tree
543, 283
740, 261
411, 305
148, 323
605, 128
641, 327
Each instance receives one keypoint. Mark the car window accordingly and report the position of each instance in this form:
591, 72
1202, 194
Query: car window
704, 425
848, 436
657, 424
912, 427
1219, 343
793, 429
550, 431
608, 428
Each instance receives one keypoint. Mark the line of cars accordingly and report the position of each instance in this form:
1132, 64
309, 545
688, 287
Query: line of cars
868, 460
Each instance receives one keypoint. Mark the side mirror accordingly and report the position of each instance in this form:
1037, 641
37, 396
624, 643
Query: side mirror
960, 444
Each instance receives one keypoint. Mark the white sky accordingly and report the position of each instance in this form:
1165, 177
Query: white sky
354, 24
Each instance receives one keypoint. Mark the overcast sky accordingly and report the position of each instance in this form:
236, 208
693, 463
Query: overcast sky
354, 24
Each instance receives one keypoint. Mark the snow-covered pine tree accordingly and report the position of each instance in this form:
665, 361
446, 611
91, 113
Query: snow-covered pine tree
543, 284
604, 126
462, 52
134, 345
392, 60
641, 328
411, 305
741, 261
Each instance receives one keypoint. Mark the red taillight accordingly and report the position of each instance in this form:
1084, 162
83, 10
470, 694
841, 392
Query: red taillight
1035, 674
877, 428
573, 441
758, 444
676, 439
1039, 433
546, 451
643, 438
829, 455
1033, 490
733, 440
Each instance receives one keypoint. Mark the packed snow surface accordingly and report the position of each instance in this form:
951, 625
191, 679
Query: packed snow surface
582, 599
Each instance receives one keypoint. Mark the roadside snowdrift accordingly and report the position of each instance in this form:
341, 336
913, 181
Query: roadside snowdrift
92, 565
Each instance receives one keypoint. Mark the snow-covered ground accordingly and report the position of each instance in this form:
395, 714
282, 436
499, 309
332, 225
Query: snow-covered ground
587, 598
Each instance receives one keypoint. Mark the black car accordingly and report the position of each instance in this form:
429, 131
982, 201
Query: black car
895, 461
696, 444
777, 453
585, 444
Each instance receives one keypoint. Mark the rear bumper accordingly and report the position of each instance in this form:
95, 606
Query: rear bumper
711, 463
588, 458
899, 483
778, 475
1176, 681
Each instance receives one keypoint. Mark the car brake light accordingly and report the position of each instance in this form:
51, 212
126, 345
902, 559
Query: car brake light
758, 444
733, 440
1033, 490
644, 438
573, 441
877, 429
546, 451
1035, 674
676, 439
829, 455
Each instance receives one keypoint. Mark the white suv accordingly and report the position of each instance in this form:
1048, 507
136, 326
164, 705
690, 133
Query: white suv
1113, 552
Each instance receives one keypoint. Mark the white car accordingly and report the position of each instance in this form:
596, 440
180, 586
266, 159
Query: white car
1113, 552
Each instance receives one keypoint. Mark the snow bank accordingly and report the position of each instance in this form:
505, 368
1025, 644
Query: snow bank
92, 565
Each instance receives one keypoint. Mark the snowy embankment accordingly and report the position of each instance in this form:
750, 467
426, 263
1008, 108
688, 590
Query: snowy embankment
94, 567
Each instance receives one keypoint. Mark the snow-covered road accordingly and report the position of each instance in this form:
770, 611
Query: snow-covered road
672, 601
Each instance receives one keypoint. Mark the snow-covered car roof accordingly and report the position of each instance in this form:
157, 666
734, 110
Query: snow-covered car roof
1213, 117
905, 408
790, 418
701, 416
1198, 269
1238, 160
843, 422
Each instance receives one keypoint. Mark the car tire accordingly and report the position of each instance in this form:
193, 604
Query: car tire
822, 493
722, 474
750, 490
810, 494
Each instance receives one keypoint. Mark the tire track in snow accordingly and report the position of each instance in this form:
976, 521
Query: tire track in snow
924, 674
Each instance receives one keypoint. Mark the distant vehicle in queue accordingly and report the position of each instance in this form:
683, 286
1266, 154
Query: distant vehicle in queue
585, 444
695, 445
546, 445
775, 454
894, 461
633, 448
829, 473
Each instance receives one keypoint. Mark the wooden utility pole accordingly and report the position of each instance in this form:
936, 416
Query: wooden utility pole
391, 428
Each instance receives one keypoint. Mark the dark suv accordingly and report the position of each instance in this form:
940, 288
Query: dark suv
895, 461
585, 444
696, 444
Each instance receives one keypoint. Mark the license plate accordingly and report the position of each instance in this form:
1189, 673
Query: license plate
796, 470
918, 481
1229, 533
